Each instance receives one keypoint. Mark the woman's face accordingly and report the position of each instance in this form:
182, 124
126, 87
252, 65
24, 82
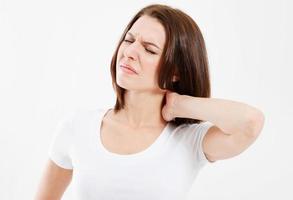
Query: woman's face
141, 50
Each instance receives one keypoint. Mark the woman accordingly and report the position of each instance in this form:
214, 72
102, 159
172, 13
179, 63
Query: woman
164, 126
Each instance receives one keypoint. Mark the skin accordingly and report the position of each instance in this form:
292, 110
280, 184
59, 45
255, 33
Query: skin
143, 96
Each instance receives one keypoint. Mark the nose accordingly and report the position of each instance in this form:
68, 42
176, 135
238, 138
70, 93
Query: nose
131, 51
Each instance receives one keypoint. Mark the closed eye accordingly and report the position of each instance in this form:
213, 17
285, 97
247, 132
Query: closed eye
149, 51
127, 41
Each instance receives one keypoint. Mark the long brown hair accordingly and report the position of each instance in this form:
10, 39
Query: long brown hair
184, 55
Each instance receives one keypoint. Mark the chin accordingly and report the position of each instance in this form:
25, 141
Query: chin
124, 85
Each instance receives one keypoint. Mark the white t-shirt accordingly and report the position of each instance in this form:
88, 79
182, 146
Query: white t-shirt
163, 171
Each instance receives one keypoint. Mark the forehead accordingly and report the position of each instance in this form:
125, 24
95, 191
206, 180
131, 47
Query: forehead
150, 29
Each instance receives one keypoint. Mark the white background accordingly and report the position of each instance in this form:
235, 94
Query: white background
55, 57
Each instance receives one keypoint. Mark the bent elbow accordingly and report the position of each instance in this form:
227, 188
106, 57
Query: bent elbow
255, 123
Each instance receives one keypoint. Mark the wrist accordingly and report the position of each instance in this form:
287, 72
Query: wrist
177, 105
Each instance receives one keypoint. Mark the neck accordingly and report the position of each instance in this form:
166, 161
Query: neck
142, 110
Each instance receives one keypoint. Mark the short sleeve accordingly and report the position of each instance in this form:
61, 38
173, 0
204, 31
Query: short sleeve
198, 132
61, 143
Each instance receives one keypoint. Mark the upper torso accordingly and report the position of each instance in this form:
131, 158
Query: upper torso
161, 166
120, 139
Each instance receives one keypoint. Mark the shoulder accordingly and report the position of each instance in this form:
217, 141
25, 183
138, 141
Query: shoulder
190, 134
85, 113
193, 128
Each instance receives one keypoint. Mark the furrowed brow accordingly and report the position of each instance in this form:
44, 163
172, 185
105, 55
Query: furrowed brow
145, 42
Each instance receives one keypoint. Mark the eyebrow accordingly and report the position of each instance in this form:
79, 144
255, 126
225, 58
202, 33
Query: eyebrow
145, 42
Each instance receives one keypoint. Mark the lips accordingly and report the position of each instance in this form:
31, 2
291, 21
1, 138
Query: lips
128, 67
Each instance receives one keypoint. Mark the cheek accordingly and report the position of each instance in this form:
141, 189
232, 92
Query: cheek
152, 63
119, 53
151, 68
121, 49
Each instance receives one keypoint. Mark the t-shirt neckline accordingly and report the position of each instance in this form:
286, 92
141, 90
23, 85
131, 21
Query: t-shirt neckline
150, 150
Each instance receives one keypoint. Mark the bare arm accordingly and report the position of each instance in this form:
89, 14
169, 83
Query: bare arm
236, 125
54, 182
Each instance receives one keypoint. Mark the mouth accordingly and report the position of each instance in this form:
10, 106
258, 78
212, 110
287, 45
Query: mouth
128, 68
